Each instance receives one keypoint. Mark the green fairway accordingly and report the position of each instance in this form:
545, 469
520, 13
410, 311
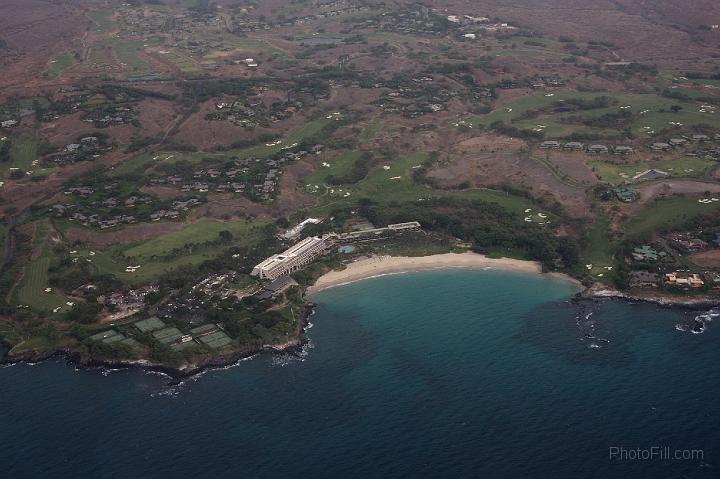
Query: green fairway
31, 291
339, 166
127, 54
102, 19
187, 247
61, 63
24, 151
666, 215
652, 113
371, 129
683, 167
597, 249
195, 233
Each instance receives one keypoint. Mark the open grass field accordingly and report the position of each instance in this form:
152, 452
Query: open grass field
59, 64
103, 19
396, 184
687, 167
598, 250
339, 166
31, 290
371, 129
24, 151
127, 55
139, 163
183, 248
651, 113
666, 214
182, 61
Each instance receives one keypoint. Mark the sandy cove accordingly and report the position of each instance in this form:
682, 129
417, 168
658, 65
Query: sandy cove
381, 265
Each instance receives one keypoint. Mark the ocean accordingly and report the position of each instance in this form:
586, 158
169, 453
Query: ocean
453, 373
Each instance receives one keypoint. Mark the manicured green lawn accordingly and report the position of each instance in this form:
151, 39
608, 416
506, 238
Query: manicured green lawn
31, 290
127, 53
339, 166
686, 167
61, 62
666, 214
597, 249
102, 19
371, 129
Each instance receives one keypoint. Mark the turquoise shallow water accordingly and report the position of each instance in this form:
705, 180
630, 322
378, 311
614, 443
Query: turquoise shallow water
435, 374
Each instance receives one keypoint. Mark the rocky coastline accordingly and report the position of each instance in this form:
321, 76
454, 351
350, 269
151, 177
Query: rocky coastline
292, 346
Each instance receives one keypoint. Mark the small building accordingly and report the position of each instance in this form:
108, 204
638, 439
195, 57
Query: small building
8, 123
597, 149
550, 145
660, 146
623, 150
691, 280
677, 141
644, 279
573, 146
650, 175
276, 287
626, 194
700, 138
647, 253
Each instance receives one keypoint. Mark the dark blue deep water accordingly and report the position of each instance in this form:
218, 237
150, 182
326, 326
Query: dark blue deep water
458, 374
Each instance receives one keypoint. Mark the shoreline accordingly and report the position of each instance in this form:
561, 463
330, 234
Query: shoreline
377, 266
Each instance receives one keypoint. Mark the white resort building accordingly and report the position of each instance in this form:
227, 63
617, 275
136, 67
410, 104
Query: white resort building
293, 258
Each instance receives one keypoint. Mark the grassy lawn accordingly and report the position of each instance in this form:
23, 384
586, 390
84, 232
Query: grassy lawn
23, 152
678, 167
371, 129
650, 104
156, 257
127, 54
31, 290
102, 19
61, 63
384, 186
138, 163
199, 232
598, 250
339, 166
666, 214
181, 61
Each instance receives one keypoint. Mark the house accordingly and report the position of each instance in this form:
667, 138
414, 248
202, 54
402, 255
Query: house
677, 141
597, 149
573, 145
692, 280
700, 138
660, 146
550, 145
644, 279
626, 194
622, 150
469, 36
647, 253
650, 175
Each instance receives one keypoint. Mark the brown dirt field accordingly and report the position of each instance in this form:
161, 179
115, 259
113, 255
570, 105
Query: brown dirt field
126, 235
706, 259
651, 31
489, 143
35, 31
206, 135
490, 169
291, 196
221, 205
162, 192
674, 187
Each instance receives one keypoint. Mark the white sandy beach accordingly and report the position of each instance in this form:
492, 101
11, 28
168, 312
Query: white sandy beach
381, 265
